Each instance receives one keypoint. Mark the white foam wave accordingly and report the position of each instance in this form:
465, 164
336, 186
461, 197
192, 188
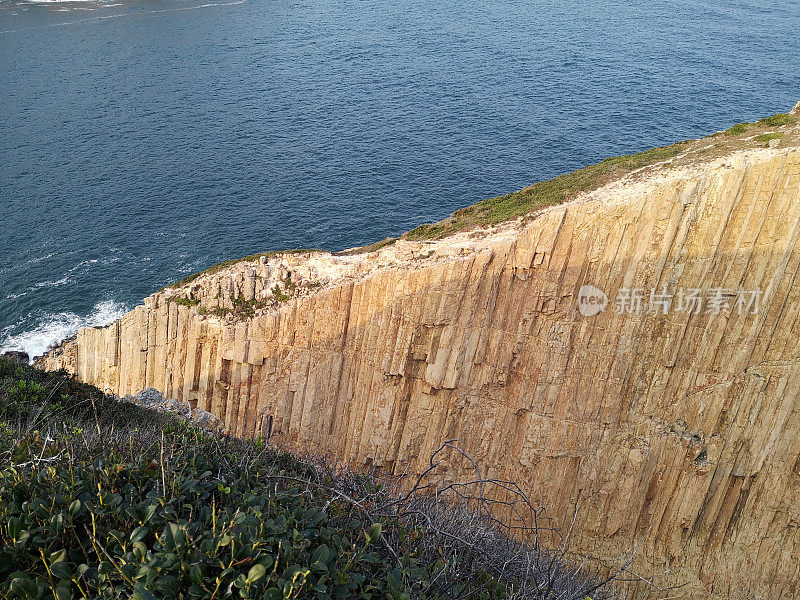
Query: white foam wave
66, 278
115, 16
56, 283
56, 327
83, 263
39, 259
63, 2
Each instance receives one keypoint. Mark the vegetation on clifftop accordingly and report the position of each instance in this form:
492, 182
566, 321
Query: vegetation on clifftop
543, 194
105, 499
568, 186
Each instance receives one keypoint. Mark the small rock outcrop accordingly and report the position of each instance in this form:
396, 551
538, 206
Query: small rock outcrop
151, 398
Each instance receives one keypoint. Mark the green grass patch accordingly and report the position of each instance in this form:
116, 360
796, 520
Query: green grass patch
543, 194
767, 137
246, 309
216, 311
737, 129
186, 301
778, 120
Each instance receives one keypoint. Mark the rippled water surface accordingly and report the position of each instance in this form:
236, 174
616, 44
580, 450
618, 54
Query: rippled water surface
144, 140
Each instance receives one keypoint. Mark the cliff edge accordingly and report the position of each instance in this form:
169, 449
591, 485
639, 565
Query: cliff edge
629, 357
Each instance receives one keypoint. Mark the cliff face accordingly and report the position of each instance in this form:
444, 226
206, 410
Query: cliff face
677, 426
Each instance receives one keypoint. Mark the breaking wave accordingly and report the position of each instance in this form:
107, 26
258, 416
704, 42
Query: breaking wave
54, 328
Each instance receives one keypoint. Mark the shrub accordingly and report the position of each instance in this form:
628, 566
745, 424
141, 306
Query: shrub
186, 301
246, 309
278, 294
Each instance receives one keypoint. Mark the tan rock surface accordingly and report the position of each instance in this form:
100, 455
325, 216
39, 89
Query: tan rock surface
680, 429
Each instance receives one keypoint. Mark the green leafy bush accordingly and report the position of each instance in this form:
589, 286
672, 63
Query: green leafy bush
111, 525
279, 295
186, 301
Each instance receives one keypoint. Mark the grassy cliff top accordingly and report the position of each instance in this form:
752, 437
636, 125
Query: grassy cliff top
779, 129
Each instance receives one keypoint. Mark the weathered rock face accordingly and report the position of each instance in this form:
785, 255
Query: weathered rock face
676, 426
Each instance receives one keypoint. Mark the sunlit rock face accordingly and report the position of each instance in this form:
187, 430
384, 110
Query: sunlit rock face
670, 415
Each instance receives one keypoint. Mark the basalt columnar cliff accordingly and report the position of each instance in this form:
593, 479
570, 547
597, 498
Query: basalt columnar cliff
669, 420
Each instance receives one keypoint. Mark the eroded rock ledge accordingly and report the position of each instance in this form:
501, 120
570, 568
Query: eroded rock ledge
679, 429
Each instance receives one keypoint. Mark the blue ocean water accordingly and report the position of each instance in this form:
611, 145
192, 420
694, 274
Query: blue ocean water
144, 140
